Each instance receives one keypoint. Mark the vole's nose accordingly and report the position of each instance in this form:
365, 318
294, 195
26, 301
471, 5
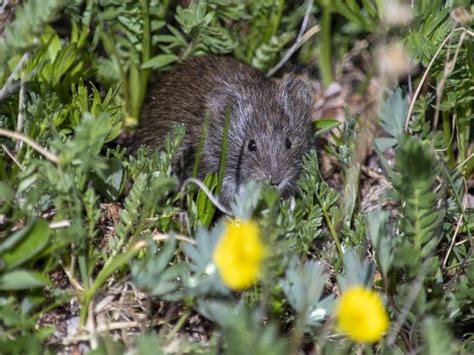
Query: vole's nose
276, 179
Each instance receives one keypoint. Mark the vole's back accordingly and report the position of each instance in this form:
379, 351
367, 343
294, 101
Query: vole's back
189, 91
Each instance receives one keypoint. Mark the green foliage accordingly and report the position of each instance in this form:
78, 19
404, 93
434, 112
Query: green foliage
415, 187
430, 27
303, 286
357, 272
302, 220
242, 330
24, 244
79, 216
30, 20
152, 273
379, 234
438, 340
363, 16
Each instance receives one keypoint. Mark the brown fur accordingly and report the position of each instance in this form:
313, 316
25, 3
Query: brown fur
271, 112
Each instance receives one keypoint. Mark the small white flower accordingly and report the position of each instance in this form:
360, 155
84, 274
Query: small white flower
318, 314
210, 269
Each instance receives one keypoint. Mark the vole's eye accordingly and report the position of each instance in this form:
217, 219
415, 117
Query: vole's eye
252, 146
287, 143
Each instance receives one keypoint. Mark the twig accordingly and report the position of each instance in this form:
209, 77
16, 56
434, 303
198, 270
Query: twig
309, 7
311, 32
91, 326
448, 69
423, 78
300, 39
208, 193
461, 242
425, 74
77, 286
60, 224
461, 206
465, 160
11, 86
160, 237
453, 239
451, 139
181, 321
31, 143
108, 328
12, 156
462, 265
21, 111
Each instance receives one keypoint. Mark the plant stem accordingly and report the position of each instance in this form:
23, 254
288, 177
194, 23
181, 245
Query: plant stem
331, 228
223, 158
275, 22
298, 333
143, 74
31, 143
325, 52
447, 139
178, 326
112, 53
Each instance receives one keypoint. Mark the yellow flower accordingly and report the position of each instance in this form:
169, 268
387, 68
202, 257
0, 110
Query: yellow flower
238, 254
361, 314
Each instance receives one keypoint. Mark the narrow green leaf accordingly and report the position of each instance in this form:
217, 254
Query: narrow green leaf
64, 60
205, 208
326, 123
223, 158
22, 280
159, 61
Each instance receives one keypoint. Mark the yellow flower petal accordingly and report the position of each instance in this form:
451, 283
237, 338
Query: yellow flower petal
361, 314
238, 254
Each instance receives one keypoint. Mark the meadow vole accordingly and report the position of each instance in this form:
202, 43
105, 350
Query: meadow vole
270, 126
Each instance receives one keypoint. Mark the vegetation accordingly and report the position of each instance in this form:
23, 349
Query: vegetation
102, 251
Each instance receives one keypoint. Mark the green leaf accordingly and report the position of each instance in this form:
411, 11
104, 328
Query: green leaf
155, 275
438, 339
13, 239
22, 280
326, 124
6, 193
149, 344
112, 265
63, 62
205, 208
112, 180
393, 114
31, 244
244, 205
383, 143
381, 239
303, 286
356, 272
159, 61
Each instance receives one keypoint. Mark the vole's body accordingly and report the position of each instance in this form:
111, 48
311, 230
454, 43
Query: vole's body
270, 127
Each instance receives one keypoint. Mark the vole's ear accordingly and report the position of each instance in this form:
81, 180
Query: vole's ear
296, 95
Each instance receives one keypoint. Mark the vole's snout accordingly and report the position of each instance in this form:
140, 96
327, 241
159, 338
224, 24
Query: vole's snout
276, 179
275, 183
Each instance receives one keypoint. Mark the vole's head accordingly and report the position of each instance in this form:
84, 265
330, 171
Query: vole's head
270, 132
